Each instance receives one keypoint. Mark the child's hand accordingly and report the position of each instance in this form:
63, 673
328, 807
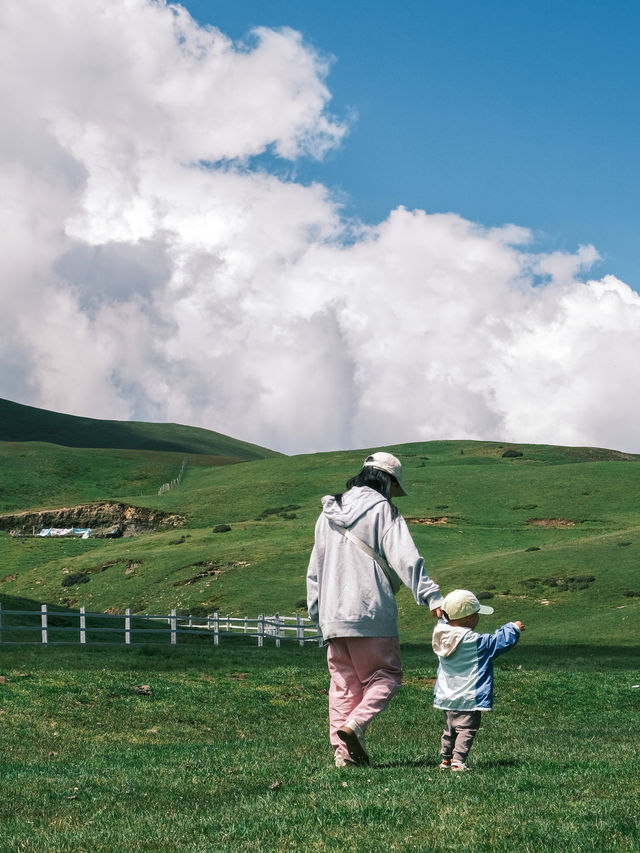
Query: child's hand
520, 625
436, 613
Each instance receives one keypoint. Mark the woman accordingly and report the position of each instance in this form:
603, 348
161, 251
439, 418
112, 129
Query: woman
363, 552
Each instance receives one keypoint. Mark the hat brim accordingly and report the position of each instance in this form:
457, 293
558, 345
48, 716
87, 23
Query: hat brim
485, 610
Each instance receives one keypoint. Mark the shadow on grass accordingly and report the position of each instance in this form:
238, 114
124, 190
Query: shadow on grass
405, 762
432, 764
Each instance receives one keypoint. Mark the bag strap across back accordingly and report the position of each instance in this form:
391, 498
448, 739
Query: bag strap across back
391, 576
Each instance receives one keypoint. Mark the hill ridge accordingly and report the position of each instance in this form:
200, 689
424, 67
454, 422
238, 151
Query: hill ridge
22, 423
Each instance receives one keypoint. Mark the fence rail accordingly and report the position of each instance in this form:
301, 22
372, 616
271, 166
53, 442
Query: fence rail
48, 627
166, 487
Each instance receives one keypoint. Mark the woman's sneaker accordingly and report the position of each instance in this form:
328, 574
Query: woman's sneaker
459, 766
353, 737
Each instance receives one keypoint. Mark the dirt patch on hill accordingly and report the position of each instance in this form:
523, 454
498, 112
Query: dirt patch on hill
436, 519
103, 518
551, 522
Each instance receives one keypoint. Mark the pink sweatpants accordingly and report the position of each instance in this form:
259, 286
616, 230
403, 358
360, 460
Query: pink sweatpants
365, 674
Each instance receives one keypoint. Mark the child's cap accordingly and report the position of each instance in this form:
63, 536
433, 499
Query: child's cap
461, 603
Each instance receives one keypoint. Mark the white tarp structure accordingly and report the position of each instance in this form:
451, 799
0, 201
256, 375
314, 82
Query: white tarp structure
83, 532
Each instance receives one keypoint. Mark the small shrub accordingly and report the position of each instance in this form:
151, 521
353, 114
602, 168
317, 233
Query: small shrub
483, 596
177, 541
276, 510
512, 454
623, 544
631, 593
76, 577
221, 528
533, 548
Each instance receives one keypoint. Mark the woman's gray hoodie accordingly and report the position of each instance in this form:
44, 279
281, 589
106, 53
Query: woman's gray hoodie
348, 594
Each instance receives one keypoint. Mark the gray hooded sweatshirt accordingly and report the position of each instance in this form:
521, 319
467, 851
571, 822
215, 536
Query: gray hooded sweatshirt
348, 594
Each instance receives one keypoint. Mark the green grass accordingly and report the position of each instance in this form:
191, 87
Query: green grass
229, 752
485, 545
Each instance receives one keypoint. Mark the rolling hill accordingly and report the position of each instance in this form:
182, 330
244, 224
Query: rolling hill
20, 423
551, 535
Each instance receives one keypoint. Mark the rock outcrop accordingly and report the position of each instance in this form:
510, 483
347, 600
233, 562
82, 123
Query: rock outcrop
103, 518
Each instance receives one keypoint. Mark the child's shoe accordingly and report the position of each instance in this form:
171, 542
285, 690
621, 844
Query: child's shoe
459, 766
341, 761
445, 764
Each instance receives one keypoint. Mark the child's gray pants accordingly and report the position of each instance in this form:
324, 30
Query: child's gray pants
460, 728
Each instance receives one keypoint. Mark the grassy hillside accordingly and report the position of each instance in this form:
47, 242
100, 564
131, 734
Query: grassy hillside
553, 535
20, 423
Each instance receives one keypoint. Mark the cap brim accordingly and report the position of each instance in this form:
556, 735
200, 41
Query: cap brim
485, 610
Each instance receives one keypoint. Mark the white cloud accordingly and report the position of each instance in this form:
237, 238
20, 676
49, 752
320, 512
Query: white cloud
149, 270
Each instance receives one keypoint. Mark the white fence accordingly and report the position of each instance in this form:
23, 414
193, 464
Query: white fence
49, 627
166, 487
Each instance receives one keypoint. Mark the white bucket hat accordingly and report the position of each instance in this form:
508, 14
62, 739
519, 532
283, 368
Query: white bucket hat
386, 462
461, 603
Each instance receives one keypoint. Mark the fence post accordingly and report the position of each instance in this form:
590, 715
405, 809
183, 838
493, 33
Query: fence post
43, 623
174, 627
83, 625
299, 630
127, 626
216, 628
277, 626
261, 630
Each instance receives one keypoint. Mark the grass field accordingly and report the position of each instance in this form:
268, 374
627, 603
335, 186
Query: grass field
228, 751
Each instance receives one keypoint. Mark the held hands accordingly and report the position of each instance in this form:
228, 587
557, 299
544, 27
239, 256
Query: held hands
520, 625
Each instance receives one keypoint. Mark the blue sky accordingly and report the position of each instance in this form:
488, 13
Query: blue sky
458, 261
502, 111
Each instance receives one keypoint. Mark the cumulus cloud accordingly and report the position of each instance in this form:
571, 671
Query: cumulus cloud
152, 270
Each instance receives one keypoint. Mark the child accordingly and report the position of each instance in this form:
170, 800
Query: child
464, 686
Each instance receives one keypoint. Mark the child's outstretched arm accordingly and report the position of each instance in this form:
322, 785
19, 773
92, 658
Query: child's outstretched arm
520, 625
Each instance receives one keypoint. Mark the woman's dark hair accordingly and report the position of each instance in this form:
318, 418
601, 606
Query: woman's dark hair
375, 479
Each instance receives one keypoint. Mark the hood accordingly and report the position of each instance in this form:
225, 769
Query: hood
447, 638
355, 503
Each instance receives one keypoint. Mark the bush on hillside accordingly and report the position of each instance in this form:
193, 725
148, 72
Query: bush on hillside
76, 577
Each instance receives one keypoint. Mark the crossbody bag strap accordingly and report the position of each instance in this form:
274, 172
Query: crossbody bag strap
391, 576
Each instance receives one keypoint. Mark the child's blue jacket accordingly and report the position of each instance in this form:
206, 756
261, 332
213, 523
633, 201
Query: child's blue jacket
465, 672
